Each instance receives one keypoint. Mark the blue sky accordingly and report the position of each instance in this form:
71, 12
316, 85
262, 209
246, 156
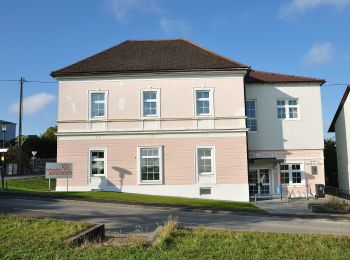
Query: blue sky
302, 37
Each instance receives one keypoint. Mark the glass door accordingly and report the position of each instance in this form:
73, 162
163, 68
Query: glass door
259, 182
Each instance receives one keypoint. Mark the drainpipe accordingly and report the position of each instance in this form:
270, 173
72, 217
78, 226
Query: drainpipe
246, 133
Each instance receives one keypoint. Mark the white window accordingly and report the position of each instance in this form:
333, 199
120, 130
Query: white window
250, 106
150, 103
97, 162
291, 174
150, 164
288, 109
204, 102
98, 104
205, 160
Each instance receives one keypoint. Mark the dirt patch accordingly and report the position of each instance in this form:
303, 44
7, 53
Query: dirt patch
121, 240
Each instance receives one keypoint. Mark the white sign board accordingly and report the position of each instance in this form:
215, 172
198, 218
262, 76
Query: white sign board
58, 170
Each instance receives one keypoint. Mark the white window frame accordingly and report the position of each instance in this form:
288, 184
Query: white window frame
290, 171
160, 153
211, 102
286, 106
97, 149
105, 104
157, 103
213, 161
256, 114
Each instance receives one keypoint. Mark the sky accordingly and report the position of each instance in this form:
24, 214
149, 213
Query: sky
300, 37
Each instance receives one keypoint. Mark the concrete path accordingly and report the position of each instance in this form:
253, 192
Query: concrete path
126, 218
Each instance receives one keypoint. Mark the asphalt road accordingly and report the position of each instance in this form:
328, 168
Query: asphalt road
125, 218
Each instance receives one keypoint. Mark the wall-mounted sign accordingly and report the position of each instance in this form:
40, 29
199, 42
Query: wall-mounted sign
58, 170
314, 162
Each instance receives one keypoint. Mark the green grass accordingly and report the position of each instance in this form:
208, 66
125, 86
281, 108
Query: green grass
26, 238
40, 185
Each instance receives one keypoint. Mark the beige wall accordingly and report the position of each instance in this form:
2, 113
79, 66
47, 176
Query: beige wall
277, 134
179, 160
177, 106
342, 130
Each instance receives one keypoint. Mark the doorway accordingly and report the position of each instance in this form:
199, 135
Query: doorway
259, 182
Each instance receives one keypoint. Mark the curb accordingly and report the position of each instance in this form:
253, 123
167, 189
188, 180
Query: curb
95, 233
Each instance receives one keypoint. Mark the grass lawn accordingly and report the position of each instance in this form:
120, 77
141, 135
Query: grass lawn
45, 239
40, 185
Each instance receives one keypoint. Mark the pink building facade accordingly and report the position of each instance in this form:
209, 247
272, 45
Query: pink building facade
172, 118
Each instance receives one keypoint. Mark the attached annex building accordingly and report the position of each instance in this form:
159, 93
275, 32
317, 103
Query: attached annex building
341, 126
168, 117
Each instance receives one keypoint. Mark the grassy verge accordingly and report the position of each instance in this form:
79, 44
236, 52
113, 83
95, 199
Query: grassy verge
45, 239
39, 185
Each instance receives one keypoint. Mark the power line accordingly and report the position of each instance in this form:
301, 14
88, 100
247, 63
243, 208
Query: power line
337, 84
9, 80
43, 82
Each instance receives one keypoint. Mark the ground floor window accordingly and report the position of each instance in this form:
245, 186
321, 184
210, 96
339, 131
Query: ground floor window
97, 162
150, 164
205, 160
291, 174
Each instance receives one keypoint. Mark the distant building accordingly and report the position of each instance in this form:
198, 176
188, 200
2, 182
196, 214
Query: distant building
10, 133
341, 126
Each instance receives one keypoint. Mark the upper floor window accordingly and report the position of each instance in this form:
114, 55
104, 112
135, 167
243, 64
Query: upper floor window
250, 106
204, 102
98, 104
150, 103
288, 109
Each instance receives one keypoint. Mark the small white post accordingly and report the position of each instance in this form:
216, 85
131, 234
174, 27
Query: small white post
49, 184
67, 184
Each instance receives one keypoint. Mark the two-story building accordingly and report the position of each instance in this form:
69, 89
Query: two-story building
168, 117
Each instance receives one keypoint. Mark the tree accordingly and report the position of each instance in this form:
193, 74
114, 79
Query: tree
45, 144
330, 162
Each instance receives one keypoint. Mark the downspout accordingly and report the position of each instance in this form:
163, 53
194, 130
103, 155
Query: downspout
245, 122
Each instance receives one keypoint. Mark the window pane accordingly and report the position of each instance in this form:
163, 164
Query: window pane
296, 177
97, 105
285, 177
281, 102
281, 112
284, 167
202, 102
293, 102
293, 112
149, 103
150, 164
97, 162
204, 160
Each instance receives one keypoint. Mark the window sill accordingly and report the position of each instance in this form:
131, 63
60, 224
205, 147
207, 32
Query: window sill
150, 183
297, 185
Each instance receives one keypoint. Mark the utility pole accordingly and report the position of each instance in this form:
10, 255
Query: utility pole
19, 170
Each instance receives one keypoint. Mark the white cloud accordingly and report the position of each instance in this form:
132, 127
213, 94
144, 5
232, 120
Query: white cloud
122, 9
33, 104
320, 53
174, 26
301, 6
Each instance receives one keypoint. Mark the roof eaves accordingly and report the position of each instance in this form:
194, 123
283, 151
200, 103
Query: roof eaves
58, 74
340, 107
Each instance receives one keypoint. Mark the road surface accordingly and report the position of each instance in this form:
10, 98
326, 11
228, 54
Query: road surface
129, 218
